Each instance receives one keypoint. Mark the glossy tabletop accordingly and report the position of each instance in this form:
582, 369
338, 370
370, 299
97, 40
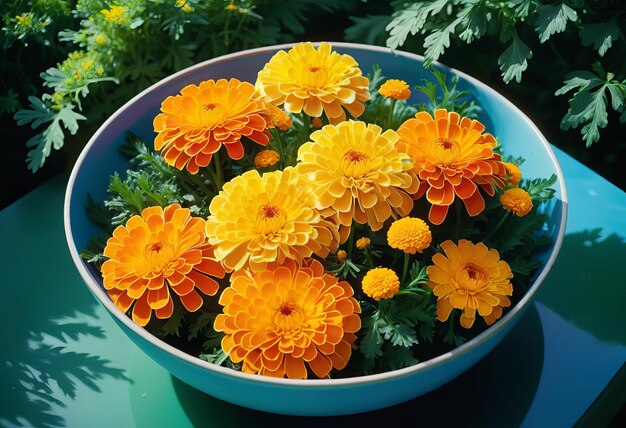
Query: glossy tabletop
65, 363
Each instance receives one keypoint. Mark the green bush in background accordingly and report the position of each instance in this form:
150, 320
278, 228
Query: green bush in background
67, 65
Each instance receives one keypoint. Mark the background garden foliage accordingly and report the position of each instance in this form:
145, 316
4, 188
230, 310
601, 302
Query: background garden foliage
67, 65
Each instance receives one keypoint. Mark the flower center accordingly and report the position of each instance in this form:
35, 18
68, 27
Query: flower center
155, 246
211, 114
270, 219
288, 317
474, 277
314, 76
355, 164
355, 156
446, 150
158, 256
314, 68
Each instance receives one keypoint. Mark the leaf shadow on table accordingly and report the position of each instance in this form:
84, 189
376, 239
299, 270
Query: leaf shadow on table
45, 357
500, 387
597, 305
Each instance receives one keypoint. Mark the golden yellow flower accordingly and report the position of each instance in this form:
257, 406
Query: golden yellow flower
316, 81
278, 117
517, 201
266, 158
101, 39
116, 15
410, 235
380, 283
342, 256
187, 8
197, 123
514, 173
470, 277
362, 243
155, 253
100, 71
283, 319
358, 173
396, 89
232, 7
452, 157
25, 20
257, 220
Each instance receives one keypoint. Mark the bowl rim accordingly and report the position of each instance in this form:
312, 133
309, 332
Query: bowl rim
490, 332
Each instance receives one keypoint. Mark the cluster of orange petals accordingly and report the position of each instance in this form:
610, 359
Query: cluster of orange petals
452, 157
195, 124
315, 81
155, 253
278, 321
472, 278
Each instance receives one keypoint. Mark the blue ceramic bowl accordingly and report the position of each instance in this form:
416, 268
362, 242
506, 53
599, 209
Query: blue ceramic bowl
101, 157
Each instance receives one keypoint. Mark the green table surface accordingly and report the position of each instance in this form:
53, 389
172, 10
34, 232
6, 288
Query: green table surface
65, 363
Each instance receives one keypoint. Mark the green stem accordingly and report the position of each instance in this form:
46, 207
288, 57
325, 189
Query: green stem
497, 226
368, 257
457, 220
392, 107
218, 171
279, 142
226, 41
405, 267
351, 241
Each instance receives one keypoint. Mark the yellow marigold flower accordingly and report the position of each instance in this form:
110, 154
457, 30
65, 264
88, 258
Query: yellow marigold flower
317, 123
381, 283
363, 243
278, 117
87, 64
155, 253
232, 7
342, 256
58, 98
181, 3
358, 173
258, 219
100, 71
396, 89
196, 123
266, 158
517, 201
283, 319
452, 156
76, 55
117, 14
410, 235
187, 8
514, 173
470, 277
316, 81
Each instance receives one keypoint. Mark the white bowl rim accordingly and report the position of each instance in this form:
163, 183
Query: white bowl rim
98, 290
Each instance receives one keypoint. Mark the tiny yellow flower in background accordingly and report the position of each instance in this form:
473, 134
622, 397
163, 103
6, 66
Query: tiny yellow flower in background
472, 278
317, 123
396, 89
58, 98
517, 201
25, 20
342, 256
410, 235
232, 7
278, 117
100, 71
315, 81
381, 283
87, 64
101, 39
363, 243
117, 14
266, 158
514, 173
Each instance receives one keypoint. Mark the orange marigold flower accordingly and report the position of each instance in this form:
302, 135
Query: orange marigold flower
278, 321
517, 201
278, 117
316, 81
258, 219
341, 256
266, 158
470, 277
381, 283
317, 123
155, 253
196, 123
452, 156
514, 173
358, 173
396, 89
362, 243
410, 235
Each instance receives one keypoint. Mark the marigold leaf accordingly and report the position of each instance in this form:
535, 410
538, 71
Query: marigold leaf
411, 20
601, 35
437, 42
552, 19
514, 60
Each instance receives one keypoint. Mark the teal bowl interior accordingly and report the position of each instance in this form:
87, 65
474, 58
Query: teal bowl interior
101, 157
